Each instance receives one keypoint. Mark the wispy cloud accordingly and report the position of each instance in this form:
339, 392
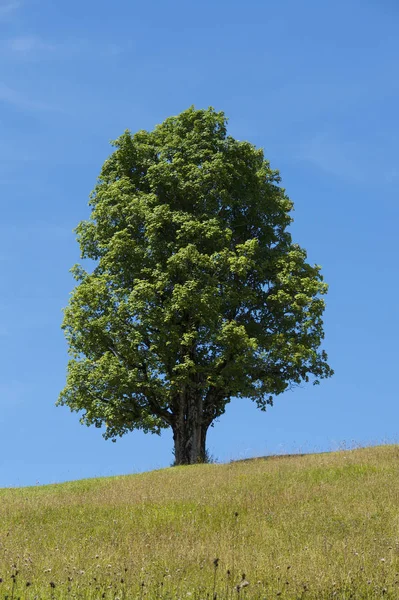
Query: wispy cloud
34, 47
23, 101
28, 44
7, 8
338, 157
358, 161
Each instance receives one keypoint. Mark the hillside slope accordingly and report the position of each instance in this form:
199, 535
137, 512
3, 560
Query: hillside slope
315, 526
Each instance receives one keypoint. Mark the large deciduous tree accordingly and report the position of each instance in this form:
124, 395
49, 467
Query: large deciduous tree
198, 293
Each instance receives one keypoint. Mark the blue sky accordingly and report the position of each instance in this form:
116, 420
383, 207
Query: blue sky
313, 83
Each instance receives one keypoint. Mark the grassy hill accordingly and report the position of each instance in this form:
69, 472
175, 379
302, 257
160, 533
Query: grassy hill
312, 527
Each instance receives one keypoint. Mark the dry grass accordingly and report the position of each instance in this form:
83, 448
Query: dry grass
310, 527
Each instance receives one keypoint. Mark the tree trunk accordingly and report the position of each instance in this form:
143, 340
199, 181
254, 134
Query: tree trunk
189, 431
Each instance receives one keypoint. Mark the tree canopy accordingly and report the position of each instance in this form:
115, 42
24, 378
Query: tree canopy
198, 293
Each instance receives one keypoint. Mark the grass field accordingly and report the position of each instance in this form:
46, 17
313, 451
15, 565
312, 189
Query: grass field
311, 527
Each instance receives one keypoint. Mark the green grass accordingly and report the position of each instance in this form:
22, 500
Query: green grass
310, 527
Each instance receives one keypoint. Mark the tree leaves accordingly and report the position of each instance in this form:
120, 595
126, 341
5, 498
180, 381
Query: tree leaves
197, 284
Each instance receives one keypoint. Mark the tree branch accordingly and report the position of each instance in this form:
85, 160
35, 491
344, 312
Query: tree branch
154, 404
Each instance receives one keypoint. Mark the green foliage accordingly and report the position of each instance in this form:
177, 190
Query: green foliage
198, 287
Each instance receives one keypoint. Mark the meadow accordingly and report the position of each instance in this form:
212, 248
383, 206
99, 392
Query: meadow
311, 527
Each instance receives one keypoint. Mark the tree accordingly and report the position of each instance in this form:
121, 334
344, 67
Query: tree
198, 293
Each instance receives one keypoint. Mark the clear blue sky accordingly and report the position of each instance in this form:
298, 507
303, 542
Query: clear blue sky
314, 83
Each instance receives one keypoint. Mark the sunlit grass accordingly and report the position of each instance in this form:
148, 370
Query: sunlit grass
312, 527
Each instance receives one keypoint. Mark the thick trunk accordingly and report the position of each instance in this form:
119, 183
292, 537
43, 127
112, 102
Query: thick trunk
189, 431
